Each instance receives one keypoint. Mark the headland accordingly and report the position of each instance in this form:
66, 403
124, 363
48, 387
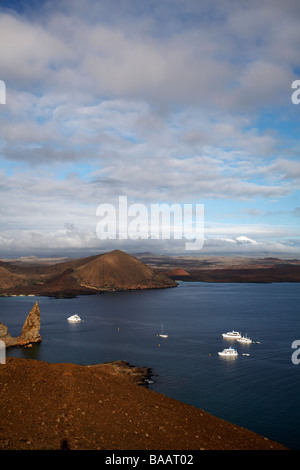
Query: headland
45, 406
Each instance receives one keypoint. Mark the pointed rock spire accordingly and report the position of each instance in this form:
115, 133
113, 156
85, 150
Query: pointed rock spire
31, 328
30, 331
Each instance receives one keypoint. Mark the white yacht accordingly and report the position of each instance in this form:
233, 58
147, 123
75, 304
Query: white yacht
230, 352
162, 334
74, 318
245, 340
232, 335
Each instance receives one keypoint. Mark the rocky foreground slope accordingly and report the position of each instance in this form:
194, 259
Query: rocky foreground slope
66, 406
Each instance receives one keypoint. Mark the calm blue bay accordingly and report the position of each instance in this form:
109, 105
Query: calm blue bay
259, 392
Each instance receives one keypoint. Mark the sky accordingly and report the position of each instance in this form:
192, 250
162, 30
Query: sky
161, 101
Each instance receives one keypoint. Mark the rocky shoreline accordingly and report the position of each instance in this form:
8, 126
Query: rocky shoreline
47, 406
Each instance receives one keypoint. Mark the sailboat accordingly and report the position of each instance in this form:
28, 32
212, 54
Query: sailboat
162, 334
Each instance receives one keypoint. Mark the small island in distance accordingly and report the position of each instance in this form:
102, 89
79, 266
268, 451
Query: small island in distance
225, 268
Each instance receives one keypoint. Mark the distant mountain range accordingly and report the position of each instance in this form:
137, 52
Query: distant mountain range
119, 271
113, 271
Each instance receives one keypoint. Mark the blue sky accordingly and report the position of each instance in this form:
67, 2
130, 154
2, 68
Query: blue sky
166, 101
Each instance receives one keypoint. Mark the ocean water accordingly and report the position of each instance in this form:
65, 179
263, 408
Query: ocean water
259, 392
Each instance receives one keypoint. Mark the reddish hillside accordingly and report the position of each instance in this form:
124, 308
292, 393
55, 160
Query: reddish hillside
9, 279
111, 271
47, 406
118, 270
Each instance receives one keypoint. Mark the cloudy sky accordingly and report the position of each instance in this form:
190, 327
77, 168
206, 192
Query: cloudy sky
162, 101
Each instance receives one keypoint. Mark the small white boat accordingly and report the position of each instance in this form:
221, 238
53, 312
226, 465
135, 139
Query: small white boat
162, 334
232, 335
245, 354
245, 340
74, 318
230, 352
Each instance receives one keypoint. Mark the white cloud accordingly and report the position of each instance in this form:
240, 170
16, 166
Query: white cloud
160, 103
243, 239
